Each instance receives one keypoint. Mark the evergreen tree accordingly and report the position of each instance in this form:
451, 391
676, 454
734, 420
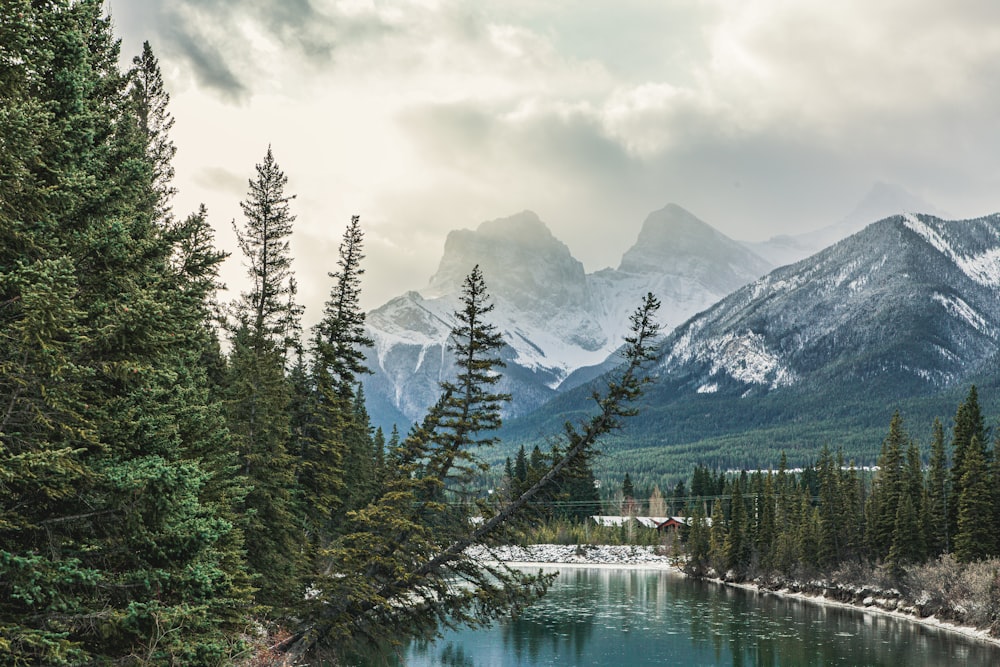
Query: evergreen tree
767, 530
717, 537
830, 510
888, 488
259, 395
150, 102
578, 488
678, 500
341, 339
907, 539
258, 413
969, 424
808, 533
114, 541
267, 310
521, 467
737, 544
975, 537
698, 544
936, 509
628, 490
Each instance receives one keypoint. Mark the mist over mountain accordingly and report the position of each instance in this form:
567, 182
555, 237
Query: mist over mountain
560, 324
883, 200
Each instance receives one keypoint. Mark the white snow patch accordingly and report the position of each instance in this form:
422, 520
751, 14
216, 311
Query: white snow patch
983, 268
708, 388
743, 356
959, 308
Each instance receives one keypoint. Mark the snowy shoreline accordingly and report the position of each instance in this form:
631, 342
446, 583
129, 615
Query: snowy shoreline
555, 556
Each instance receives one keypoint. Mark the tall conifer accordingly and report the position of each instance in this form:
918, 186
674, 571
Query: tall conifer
113, 542
258, 392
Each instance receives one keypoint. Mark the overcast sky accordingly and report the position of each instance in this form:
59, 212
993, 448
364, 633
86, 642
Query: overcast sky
759, 116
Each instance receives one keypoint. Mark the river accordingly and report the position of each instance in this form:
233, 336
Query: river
631, 618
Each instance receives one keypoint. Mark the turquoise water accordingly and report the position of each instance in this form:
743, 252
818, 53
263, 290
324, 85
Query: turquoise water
631, 618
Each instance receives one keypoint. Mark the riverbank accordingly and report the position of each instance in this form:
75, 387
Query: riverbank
868, 599
584, 555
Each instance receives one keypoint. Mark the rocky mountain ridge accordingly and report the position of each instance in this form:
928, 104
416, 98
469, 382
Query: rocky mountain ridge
904, 314
557, 320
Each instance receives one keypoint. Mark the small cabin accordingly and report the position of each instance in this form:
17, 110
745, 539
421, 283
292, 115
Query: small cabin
675, 522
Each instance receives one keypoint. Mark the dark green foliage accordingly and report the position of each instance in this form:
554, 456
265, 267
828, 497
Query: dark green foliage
259, 395
149, 102
257, 409
116, 539
936, 508
268, 311
975, 538
833, 514
698, 542
737, 545
888, 489
391, 572
969, 424
628, 490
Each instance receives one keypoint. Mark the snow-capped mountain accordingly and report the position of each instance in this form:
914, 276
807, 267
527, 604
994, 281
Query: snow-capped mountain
556, 319
903, 313
911, 301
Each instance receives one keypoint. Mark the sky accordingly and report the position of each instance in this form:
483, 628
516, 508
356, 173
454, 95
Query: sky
761, 117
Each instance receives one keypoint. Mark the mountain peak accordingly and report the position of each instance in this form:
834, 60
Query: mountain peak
519, 257
524, 228
675, 236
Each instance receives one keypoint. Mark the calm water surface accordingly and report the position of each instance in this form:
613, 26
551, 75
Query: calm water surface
648, 617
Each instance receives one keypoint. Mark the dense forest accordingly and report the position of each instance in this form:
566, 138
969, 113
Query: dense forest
179, 476
900, 514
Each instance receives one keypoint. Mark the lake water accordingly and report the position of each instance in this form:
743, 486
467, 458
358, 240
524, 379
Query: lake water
630, 618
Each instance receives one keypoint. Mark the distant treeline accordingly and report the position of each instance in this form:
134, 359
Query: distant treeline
832, 513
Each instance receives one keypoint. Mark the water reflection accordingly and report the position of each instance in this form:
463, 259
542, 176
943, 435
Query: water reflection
648, 617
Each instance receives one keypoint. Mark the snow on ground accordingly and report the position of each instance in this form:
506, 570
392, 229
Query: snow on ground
561, 554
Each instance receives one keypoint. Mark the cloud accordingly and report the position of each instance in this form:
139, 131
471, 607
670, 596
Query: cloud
761, 117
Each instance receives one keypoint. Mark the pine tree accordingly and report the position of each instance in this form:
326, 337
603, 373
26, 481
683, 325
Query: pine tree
717, 537
936, 509
341, 338
628, 490
698, 543
830, 510
767, 530
737, 544
114, 542
258, 392
888, 488
975, 537
150, 102
969, 424
808, 533
521, 468
267, 310
907, 543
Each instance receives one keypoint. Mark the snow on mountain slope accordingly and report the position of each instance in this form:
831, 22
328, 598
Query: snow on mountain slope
555, 319
911, 300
